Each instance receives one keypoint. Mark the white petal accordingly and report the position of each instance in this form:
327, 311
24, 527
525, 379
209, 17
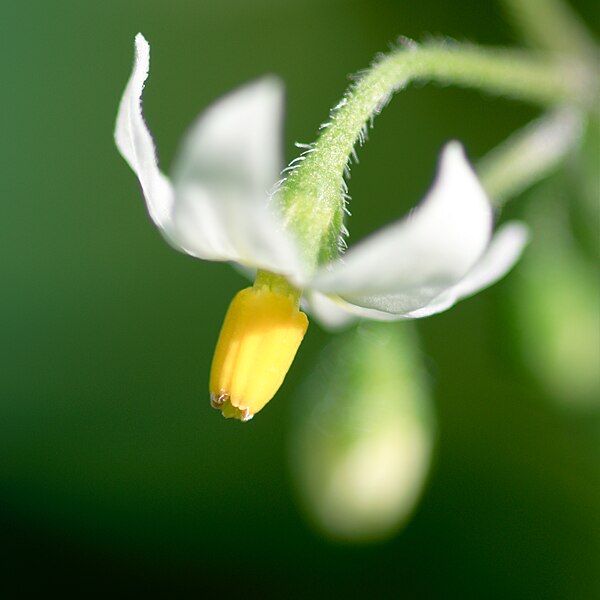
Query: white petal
135, 142
330, 317
331, 314
405, 265
224, 173
503, 252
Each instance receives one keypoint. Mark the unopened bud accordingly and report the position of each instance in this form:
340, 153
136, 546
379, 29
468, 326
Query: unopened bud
364, 436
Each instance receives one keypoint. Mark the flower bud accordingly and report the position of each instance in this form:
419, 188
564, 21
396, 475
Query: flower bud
555, 303
364, 438
262, 331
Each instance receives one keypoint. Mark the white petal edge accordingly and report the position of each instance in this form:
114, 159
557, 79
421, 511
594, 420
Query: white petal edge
503, 252
224, 173
327, 311
252, 235
421, 255
135, 143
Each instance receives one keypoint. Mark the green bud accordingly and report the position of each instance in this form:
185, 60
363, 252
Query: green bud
364, 436
555, 304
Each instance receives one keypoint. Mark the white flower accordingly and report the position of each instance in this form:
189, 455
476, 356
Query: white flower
218, 206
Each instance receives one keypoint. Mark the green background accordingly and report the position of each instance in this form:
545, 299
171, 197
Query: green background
115, 473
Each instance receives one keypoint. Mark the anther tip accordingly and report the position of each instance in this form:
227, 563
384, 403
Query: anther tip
221, 402
247, 415
217, 400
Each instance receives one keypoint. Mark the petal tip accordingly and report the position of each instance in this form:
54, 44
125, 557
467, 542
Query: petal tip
268, 87
454, 157
269, 80
517, 232
454, 147
142, 49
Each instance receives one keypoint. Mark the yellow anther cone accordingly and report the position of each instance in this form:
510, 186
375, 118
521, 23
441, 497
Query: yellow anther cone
261, 334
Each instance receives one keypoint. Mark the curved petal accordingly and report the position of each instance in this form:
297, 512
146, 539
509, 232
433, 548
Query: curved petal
331, 314
413, 260
330, 317
136, 145
502, 253
225, 170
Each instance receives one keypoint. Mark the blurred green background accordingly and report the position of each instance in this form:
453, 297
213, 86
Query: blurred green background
114, 470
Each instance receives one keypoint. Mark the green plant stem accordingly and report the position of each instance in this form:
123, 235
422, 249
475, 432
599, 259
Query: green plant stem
312, 196
276, 283
553, 26
529, 154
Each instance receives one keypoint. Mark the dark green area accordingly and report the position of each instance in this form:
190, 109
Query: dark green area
115, 473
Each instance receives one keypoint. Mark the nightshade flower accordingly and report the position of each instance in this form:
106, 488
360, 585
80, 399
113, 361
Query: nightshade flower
221, 205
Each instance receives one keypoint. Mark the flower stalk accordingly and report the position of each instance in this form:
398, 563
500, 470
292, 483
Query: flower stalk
312, 196
530, 154
552, 25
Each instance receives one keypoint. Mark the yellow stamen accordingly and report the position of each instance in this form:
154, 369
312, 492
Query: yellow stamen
262, 331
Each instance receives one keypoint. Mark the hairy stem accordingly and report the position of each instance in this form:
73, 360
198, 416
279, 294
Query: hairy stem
312, 196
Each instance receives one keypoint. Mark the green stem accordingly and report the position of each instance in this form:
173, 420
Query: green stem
552, 25
276, 283
312, 196
529, 154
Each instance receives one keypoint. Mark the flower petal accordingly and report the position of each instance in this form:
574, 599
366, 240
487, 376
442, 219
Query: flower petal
224, 173
331, 314
405, 265
354, 310
502, 253
135, 142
